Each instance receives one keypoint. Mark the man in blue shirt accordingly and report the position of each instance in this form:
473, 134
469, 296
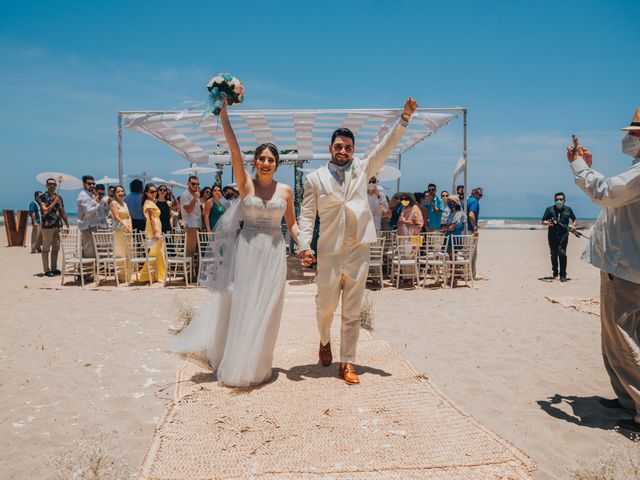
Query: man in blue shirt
134, 203
434, 206
36, 233
473, 217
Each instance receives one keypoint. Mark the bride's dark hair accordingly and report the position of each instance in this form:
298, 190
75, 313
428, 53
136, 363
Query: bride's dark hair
271, 147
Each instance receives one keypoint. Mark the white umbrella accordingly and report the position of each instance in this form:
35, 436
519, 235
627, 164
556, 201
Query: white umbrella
158, 180
64, 180
174, 184
142, 176
388, 174
195, 170
108, 180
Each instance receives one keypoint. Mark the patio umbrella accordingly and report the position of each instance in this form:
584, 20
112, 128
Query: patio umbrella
195, 170
141, 176
158, 180
64, 180
388, 174
173, 184
108, 180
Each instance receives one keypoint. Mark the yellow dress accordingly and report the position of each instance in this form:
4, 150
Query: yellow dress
120, 238
157, 250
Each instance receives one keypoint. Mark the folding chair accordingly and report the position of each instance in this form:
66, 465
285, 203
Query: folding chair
432, 257
376, 254
177, 260
72, 261
458, 262
106, 261
405, 259
205, 244
139, 253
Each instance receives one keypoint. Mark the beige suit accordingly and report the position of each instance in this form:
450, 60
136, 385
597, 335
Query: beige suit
346, 230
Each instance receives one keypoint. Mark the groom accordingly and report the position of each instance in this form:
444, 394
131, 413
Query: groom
337, 192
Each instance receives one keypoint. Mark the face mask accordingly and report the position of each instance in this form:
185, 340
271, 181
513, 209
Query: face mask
372, 187
405, 203
559, 203
631, 145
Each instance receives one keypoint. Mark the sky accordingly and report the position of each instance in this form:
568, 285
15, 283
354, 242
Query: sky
530, 73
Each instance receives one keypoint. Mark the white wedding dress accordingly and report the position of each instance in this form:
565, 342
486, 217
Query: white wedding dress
238, 330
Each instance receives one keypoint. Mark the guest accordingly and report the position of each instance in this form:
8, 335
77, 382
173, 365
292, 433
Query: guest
213, 209
377, 203
396, 208
385, 223
460, 192
419, 196
154, 235
444, 195
121, 226
614, 248
88, 207
103, 210
52, 215
473, 217
455, 224
434, 206
410, 220
560, 219
191, 217
134, 201
34, 214
227, 195
205, 194
164, 204
111, 194
175, 214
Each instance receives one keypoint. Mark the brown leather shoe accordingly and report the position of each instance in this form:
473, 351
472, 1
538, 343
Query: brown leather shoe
325, 354
348, 373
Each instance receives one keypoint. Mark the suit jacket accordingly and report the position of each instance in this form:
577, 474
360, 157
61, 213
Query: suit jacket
323, 195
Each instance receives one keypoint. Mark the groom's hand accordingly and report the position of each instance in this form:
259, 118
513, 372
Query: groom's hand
307, 257
410, 107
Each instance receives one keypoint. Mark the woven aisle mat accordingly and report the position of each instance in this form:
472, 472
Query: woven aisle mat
306, 423
585, 305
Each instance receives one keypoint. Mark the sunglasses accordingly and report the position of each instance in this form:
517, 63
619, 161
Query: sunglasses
52, 184
91, 183
153, 191
162, 190
194, 184
338, 148
431, 190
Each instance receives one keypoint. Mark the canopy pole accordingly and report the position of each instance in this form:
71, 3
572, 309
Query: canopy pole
399, 168
218, 180
464, 154
120, 164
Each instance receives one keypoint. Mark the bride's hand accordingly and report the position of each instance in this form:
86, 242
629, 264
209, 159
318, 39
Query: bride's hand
223, 110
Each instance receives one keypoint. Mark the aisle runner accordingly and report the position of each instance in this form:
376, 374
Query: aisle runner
307, 424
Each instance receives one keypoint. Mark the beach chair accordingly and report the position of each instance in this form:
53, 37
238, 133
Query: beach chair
205, 244
376, 254
72, 261
176, 259
139, 253
432, 257
458, 261
405, 260
107, 263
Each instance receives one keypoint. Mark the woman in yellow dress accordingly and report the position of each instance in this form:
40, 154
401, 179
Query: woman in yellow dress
121, 226
154, 235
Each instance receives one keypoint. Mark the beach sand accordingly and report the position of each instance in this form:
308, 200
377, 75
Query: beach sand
78, 362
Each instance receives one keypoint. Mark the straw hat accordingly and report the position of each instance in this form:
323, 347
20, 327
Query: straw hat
635, 123
455, 199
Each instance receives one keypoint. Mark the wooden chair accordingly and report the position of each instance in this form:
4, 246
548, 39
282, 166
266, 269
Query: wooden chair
432, 257
106, 261
176, 259
72, 261
139, 255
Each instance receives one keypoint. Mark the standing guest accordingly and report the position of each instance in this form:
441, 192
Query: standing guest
558, 218
385, 224
164, 204
473, 217
88, 207
396, 208
103, 210
34, 214
213, 209
377, 203
121, 226
410, 221
111, 194
154, 235
205, 194
227, 195
454, 225
175, 214
134, 202
460, 192
444, 196
190, 210
614, 248
434, 206
53, 215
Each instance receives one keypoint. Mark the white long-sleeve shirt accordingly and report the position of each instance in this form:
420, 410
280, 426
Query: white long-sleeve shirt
615, 239
87, 210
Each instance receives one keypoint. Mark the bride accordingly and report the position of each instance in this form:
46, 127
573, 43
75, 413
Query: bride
238, 329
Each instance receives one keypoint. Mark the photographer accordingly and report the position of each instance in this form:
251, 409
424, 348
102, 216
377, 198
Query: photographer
557, 217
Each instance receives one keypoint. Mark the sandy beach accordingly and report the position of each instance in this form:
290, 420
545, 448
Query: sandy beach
81, 362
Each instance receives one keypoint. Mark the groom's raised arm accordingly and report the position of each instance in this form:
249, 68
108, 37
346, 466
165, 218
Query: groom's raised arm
307, 218
375, 161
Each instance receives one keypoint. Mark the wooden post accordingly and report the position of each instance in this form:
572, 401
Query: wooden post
16, 231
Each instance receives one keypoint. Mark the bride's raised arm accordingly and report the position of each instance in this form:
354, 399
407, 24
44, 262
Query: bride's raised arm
243, 179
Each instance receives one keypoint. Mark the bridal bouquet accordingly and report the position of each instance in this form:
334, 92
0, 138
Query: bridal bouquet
227, 86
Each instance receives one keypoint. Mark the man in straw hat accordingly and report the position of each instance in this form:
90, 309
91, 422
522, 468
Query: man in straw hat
614, 248
337, 192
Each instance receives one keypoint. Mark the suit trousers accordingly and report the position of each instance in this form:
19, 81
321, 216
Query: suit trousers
342, 274
620, 318
36, 238
50, 243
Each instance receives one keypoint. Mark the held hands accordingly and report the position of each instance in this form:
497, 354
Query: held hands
307, 257
574, 153
410, 107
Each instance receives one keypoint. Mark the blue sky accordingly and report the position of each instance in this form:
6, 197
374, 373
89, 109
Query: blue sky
531, 74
